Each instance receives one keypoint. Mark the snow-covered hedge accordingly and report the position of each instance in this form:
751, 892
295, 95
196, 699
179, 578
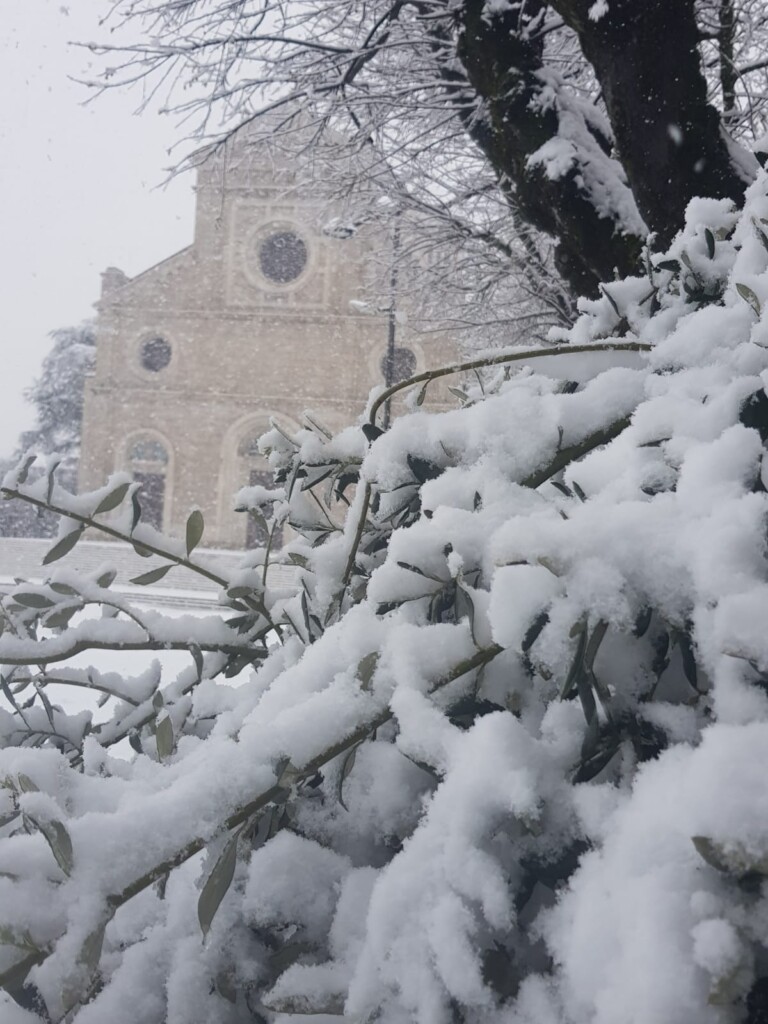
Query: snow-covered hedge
505, 755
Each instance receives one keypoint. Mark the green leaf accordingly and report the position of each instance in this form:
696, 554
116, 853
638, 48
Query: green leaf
141, 551
579, 492
711, 853
261, 519
287, 774
152, 576
32, 600
760, 233
63, 546
90, 951
668, 265
59, 619
688, 659
298, 559
217, 884
135, 510
346, 767
465, 607
225, 987
26, 785
51, 480
610, 299
563, 488
21, 476
576, 665
416, 569
461, 395
15, 975
594, 644
366, 669
534, 630
164, 738
112, 500
749, 297
734, 859
710, 239
107, 578
58, 839
300, 1004
8, 938
422, 393
195, 527
197, 657
288, 955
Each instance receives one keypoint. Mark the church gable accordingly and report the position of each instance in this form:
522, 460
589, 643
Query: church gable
260, 317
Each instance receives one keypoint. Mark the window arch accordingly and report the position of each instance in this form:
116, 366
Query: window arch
148, 463
255, 472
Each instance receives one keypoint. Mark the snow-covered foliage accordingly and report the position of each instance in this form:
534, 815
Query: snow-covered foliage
57, 397
57, 394
501, 759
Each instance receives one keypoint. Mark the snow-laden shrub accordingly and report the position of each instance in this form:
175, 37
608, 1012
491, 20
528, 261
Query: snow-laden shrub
504, 757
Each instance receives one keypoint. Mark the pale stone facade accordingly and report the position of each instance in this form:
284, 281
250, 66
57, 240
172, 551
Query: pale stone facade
260, 317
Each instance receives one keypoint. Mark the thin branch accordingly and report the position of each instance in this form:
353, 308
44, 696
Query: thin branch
499, 360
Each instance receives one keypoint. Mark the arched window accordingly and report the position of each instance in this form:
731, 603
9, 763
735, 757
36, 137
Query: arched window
148, 461
256, 473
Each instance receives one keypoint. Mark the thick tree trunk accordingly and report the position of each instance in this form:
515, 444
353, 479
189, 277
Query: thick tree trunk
670, 140
502, 63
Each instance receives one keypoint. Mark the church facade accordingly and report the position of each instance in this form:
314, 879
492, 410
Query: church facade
263, 316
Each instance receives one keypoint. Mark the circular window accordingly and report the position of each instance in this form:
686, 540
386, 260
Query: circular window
403, 365
282, 256
155, 354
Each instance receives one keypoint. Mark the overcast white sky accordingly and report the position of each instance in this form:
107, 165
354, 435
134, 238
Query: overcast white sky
79, 189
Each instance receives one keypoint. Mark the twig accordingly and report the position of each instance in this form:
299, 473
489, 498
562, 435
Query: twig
499, 360
480, 658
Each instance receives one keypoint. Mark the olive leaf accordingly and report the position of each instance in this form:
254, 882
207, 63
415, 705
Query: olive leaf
107, 578
153, 576
32, 600
217, 884
576, 665
164, 737
346, 767
611, 299
26, 785
195, 527
58, 839
21, 476
64, 545
749, 297
15, 975
366, 669
197, 657
113, 499
734, 860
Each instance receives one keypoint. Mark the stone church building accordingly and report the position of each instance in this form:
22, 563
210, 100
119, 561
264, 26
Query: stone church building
262, 316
